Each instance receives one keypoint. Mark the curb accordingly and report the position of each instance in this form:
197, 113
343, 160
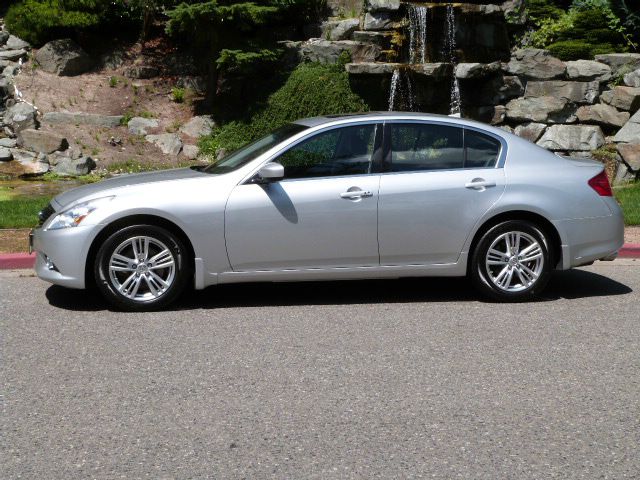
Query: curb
15, 261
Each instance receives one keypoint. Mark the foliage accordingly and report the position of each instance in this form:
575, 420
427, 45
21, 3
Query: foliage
239, 61
629, 198
587, 28
311, 89
177, 94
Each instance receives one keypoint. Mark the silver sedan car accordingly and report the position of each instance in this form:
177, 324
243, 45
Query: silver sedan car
380, 195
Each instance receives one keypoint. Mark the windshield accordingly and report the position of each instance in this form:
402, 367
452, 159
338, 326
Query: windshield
251, 151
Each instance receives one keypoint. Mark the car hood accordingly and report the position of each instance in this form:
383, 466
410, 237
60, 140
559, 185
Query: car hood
94, 189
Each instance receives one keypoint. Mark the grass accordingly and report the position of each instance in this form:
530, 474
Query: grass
629, 198
20, 212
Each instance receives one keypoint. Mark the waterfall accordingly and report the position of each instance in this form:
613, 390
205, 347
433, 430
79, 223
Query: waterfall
417, 33
449, 49
401, 92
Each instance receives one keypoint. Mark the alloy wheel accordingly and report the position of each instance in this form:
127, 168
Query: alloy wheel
514, 261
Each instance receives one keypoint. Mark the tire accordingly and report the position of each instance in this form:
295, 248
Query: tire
141, 268
512, 262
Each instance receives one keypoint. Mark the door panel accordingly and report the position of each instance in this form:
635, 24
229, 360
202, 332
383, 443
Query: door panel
303, 223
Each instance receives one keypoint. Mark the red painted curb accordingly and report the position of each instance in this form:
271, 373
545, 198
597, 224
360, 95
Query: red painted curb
17, 260
11, 261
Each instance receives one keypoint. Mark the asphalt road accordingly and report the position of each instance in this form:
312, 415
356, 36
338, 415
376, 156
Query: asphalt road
385, 379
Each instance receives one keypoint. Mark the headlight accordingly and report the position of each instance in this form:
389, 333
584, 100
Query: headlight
76, 214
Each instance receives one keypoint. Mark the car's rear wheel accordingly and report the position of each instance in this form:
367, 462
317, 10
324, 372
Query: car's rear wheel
512, 261
141, 267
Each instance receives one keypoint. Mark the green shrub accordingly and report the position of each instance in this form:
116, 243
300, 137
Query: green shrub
570, 49
177, 94
312, 89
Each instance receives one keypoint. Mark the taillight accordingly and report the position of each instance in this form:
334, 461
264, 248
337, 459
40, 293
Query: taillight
600, 183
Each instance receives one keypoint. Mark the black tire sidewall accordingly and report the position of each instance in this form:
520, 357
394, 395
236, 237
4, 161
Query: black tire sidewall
101, 267
479, 274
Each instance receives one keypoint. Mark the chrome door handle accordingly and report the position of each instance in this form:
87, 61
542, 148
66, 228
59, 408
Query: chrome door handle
478, 184
356, 194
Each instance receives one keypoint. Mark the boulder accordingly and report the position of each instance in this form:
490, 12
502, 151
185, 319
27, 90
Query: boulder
371, 68
12, 55
632, 79
81, 118
198, 126
168, 143
623, 98
536, 64
30, 163
8, 142
197, 83
493, 115
379, 21
476, 70
382, 39
630, 153
576, 92
616, 61
112, 60
63, 57
530, 131
69, 166
5, 154
339, 29
541, 110
602, 114
4, 36
378, 5
15, 43
572, 137
41, 141
20, 117
139, 125
587, 70
433, 71
630, 133
190, 152
141, 72
515, 11
326, 51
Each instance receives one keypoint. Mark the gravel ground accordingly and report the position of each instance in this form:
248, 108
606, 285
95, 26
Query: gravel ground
383, 379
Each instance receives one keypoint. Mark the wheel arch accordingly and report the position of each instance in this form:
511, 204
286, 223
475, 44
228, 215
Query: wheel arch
130, 220
543, 223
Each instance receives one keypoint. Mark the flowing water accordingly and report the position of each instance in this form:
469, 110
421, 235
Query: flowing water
401, 92
449, 52
417, 33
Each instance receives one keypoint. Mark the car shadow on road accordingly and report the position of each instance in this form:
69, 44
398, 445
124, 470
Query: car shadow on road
568, 285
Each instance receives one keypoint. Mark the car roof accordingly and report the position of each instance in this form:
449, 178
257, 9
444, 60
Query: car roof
386, 116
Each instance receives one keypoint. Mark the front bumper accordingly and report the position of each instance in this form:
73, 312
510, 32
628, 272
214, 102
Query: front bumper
61, 254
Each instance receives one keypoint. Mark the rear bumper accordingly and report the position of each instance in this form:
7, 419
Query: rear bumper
586, 240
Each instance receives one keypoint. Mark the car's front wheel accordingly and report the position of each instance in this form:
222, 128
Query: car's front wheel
141, 267
511, 261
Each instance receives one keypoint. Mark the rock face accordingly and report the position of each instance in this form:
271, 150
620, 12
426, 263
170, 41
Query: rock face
536, 64
5, 154
63, 57
141, 72
15, 43
541, 110
325, 51
632, 79
602, 114
13, 55
577, 92
82, 118
476, 70
20, 117
572, 138
168, 143
198, 126
530, 131
379, 21
371, 68
623, 98
30, 163
630, 153
190, 152
42, 142
618, 60
587, 70
340, 29
139, 125
433, 71
377, 5
630, 133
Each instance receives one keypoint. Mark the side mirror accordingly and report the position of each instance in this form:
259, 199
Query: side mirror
270, 172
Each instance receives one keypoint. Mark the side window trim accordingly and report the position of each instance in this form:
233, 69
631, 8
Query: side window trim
386, 158
375, 157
